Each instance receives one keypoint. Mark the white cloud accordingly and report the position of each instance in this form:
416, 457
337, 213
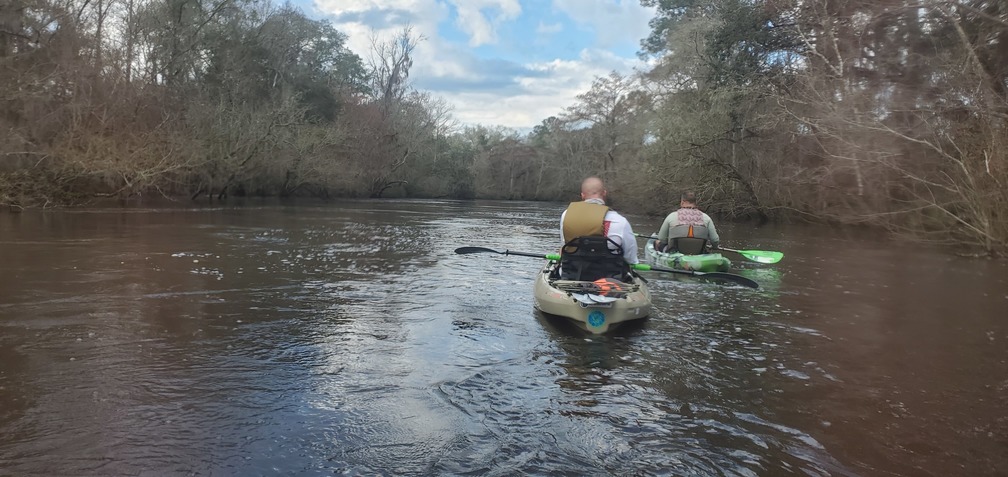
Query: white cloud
615, 22
480, 29
544, 29
362, 19
537, 96
488, 90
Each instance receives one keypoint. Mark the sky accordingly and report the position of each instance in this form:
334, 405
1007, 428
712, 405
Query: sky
509, 63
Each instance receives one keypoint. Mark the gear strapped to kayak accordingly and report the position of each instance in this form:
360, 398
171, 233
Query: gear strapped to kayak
607, 287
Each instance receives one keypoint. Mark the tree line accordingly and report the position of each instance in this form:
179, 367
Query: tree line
889, 113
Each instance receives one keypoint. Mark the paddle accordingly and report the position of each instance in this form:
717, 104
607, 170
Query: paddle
637, 266
731, 277
464, 250
761, 256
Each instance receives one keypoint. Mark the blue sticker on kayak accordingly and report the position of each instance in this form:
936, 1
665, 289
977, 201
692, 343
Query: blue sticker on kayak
596, 318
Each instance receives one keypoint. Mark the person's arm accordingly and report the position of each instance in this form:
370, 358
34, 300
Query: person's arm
562, 240
663, 231
712, 232
629, 245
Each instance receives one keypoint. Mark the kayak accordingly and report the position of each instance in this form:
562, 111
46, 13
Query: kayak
597, 306
708, 262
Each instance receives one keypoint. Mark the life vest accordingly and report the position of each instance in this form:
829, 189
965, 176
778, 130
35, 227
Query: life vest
584, 219
690, 237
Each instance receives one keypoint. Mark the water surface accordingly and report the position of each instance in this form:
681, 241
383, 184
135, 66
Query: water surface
315, 338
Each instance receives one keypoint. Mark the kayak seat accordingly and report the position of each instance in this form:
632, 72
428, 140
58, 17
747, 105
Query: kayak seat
687, 245
590, 258
687, 239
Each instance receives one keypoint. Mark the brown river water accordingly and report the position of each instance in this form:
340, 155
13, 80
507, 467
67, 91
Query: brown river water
346, 337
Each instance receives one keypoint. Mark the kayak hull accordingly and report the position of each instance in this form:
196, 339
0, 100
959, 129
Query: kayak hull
596, 313
708, 262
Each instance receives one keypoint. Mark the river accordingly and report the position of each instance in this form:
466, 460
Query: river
319, 338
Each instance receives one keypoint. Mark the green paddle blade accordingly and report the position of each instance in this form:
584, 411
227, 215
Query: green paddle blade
761, 256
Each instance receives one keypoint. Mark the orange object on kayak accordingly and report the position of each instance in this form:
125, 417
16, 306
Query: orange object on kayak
605, 285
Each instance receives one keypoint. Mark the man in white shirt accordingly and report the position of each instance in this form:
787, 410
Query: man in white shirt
593, 217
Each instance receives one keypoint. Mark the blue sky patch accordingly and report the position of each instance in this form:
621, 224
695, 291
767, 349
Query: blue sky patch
506, 63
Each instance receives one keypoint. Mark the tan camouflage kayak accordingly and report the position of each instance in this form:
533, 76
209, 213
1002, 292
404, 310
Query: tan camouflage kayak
597, 306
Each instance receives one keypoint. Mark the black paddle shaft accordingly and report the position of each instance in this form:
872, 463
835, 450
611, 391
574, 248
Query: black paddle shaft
467, 250
744, 281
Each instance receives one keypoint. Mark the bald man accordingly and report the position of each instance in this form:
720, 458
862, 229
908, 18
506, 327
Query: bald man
593, 217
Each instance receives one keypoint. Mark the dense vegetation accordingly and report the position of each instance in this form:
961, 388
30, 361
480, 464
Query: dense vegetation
885, 112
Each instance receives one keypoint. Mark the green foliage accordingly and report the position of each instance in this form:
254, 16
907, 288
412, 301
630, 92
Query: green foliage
753, 44
448, 173
744, 42
283, 55
669, 13
860, 112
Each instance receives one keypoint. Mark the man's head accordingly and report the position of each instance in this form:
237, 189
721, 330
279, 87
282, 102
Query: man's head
593, 188
688, 198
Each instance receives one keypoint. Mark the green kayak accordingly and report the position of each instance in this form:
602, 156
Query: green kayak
708, 262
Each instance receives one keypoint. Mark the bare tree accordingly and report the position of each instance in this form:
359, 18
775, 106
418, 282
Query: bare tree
387, 147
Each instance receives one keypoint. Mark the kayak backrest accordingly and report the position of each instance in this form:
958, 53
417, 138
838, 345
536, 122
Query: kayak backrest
589, 258
687, 246
688, 239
